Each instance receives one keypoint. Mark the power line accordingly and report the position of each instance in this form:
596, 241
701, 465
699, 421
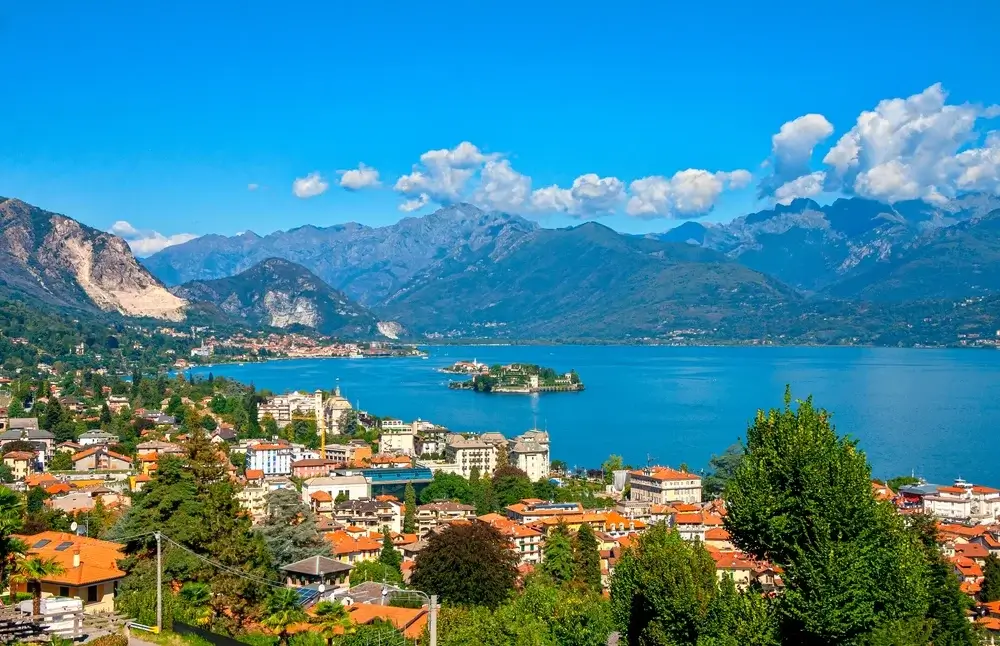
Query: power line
224, 568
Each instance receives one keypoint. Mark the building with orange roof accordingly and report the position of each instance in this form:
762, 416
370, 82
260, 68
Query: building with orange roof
525, 541
968, 571
531, 509
372, 514
734, 564
973, 550
273, 459
100, 458
90, 570
21, 463
353, 549
386, 461
664, 485
409, 621
719, 538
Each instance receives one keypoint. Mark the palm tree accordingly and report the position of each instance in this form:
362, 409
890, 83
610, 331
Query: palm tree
283, 610
32, 570
330, 616
196, 597
11, 548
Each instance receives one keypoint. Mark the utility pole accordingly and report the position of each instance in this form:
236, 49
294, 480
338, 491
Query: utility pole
159, 586
433, 621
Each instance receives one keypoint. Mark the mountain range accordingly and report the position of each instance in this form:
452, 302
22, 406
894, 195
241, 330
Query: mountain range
854, 270
59, 261
279, 293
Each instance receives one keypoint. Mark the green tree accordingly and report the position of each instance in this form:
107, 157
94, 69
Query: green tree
663, 590
6, 473
389, 556
332, 617
11, 547
61, 461
511, 485
802, 498
375, 571
53, 414
557, 555
467, 564
612, 464
282, 612
447, 486
587, 558
32, 571
195, 598
991, 583
410, 509
289, 529
948, 605
721, 470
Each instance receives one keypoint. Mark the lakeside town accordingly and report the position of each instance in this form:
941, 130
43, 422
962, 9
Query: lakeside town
348, 502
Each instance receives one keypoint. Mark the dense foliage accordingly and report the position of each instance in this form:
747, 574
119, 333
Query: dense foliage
468, 564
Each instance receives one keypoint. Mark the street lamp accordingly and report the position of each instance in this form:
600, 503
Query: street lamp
431, 603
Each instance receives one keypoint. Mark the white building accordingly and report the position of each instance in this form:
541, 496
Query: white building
334, 408
271, 458
352, 487
430, 441
471, 454
95, 437
662, 485
284, 408
530, 453
397, 437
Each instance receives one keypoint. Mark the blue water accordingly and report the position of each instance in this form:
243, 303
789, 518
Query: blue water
932, 412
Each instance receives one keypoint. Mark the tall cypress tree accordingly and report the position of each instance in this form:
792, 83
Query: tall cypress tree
557, 555
389, 556
410, 509
587, 558
991, 583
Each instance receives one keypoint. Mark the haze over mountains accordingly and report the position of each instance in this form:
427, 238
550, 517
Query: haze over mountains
797, 271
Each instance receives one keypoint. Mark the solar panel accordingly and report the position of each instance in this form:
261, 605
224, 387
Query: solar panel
62, 547
41, 543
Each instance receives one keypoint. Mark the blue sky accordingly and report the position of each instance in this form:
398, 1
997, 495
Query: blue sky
162, 115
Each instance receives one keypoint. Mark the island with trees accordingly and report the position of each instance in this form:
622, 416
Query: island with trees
517, 378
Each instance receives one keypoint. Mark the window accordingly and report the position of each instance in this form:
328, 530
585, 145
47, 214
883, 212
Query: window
63, 591
92, 594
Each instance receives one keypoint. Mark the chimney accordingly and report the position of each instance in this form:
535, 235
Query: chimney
76, 557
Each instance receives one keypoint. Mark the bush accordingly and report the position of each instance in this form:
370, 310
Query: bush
110, 640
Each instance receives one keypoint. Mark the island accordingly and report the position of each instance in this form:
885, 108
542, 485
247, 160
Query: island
517, 378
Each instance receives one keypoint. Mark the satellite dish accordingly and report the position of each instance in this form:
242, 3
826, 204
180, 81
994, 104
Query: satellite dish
321, 588
73, 526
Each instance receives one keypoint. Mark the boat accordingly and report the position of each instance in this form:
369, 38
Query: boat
355, 355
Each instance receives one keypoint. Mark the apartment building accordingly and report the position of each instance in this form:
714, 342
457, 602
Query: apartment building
272, 459
471, 454
530, 453
436, 514
370, 514
663, 485
398, 437
284, 408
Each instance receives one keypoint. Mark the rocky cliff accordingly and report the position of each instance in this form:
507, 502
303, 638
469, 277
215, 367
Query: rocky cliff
58, 260
282, 294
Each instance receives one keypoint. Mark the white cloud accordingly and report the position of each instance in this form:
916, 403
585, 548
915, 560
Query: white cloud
552, 199
913, 148
689, 193
792, 148
252, 187
805, 186
589, 196
502, 188
978, 169
443, 174
146, 242
415, 204
358, 178
311, 185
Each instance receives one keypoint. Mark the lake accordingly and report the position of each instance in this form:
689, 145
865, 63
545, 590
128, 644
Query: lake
931, 412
